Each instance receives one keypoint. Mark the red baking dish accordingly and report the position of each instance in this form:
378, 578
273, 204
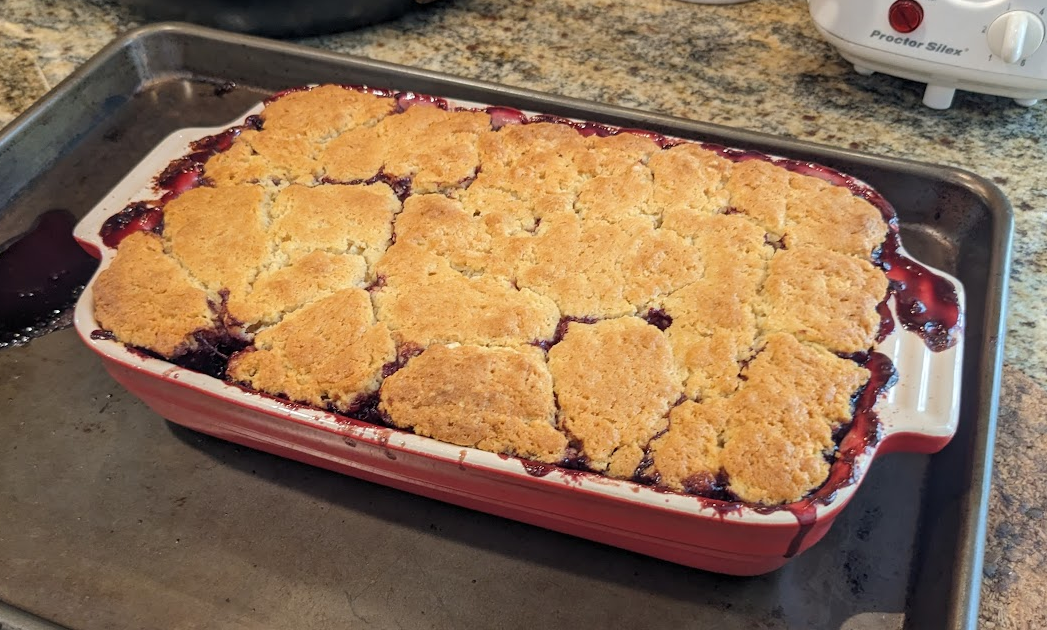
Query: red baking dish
919, 414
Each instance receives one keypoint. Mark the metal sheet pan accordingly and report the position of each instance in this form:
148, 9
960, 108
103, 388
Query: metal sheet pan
917, 526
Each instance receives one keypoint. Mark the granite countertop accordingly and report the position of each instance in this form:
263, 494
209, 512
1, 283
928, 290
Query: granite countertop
758, 66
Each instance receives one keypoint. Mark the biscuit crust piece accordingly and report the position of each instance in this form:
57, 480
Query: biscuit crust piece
351, 219
760, 191
771, 437
689, 455
442, 226
330, 353
689, 181
281, 290
494, 399
425, 302
148, 300
833, 218
321, 113
296, 128
203, 226
435, 148
823, 297
593, 268
529, 161
714, 327
615, 381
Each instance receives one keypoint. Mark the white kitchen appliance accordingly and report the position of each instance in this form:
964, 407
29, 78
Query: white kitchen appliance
989, 46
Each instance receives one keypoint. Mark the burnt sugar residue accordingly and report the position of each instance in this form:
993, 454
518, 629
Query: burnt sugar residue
42, 273
222, 89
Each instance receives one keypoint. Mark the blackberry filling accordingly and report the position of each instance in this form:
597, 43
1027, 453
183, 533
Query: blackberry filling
140, 216
658, 318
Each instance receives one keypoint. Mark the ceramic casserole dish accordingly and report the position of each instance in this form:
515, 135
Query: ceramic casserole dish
918, 412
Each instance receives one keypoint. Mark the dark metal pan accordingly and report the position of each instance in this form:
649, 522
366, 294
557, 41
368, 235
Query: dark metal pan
101, 476
275, 18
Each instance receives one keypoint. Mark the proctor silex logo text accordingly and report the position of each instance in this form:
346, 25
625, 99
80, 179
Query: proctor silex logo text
906, 42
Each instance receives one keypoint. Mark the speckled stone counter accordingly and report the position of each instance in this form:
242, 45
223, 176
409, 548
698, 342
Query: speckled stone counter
759, 66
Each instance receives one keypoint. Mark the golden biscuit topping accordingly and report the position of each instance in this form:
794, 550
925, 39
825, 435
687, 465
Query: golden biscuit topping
594, 268
689, 181
204, 226
615, 382
425, 301
772, 436
328, 354
283, 289
147, 299
435, 149
673, 314
495, 399
333, 218
298, 127
824, 297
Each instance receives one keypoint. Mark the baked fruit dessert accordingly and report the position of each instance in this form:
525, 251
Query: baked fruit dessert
613, 301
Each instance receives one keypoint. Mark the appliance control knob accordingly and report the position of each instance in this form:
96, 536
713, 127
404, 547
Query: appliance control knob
905, 16
1015, 35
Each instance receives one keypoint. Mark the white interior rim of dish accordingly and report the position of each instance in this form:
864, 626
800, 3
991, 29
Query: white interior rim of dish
924, 401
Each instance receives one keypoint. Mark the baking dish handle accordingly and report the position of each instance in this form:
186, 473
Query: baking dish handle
919, 414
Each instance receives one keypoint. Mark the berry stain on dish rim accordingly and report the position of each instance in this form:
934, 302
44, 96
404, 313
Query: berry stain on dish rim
927, 304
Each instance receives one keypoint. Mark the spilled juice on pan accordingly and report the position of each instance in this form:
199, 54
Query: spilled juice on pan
42, 273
